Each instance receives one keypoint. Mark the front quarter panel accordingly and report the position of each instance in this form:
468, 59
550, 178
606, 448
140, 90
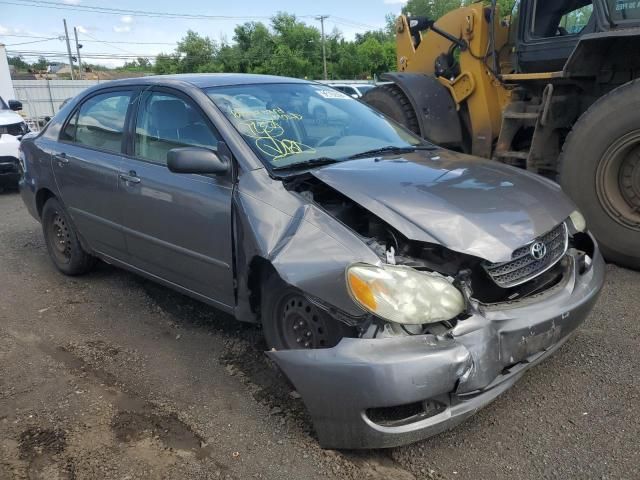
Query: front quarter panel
307, 247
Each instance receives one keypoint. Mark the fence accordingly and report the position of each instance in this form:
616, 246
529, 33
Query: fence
42, 98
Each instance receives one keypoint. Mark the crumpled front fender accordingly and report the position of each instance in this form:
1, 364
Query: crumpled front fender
308, 248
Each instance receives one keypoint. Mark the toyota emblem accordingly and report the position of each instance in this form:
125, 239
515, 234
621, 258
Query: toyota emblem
538, 250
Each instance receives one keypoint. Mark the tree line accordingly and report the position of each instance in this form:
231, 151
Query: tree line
292, 48
289, 47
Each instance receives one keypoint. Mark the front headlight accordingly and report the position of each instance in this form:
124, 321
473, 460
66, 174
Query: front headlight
579, 223
404, 295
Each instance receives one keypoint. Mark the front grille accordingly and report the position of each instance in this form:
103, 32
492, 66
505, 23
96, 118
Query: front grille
15, 129
523, 266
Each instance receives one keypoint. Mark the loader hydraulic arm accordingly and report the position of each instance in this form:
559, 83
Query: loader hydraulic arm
419, 24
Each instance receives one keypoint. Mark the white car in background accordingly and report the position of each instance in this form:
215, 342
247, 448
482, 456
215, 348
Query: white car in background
355, 90
12, 129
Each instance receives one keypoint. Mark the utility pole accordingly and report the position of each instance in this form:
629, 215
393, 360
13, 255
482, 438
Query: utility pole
66, 34
78, 47
322, 18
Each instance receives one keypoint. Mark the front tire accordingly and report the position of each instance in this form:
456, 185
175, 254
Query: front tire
600, 171
391, 101
62, 241
291, 322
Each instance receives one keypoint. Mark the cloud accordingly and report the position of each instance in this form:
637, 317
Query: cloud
395, 2
125, 25
83, 29
71, 2
9, 30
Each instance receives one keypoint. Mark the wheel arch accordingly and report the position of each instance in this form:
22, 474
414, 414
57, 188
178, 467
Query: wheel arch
42, 196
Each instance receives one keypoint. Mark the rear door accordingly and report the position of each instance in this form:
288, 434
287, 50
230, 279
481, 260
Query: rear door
178, 226
86, 162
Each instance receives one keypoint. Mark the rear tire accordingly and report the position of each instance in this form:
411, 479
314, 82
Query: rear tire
600, 171
392, 102
291, 322
62, 241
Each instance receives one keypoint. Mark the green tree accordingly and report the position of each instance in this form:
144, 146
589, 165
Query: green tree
41, 64
166, 64
434, 9
197, 54
18, 62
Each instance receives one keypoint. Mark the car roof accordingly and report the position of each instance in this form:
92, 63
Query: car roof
204, 80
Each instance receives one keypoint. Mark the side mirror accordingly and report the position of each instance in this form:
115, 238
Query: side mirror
15, 105
355, 95
196, 160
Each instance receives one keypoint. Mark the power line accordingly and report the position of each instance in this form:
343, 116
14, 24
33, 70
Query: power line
28, 43
123, 11
108, 43
86, 41
156, 14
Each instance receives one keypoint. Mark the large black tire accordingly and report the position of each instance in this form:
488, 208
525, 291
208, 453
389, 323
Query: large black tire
392, 102
600, 171
291, 321
62, 241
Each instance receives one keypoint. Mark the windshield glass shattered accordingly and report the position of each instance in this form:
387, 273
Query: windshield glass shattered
294, 124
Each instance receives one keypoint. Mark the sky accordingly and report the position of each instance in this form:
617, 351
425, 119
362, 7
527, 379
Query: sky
36, 25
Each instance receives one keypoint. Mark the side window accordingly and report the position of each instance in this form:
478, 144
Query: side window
164, 122
69, 132
100, 121
560, 19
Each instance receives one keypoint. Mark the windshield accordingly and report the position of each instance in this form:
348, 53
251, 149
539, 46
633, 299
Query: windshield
3, 105
289, 124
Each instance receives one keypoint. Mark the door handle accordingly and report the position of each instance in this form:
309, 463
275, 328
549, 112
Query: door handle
61, 158
130, 177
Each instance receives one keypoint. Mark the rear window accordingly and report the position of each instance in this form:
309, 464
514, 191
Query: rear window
624, 10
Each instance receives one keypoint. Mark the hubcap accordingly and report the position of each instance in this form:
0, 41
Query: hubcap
60, 239
618, 180
301, 325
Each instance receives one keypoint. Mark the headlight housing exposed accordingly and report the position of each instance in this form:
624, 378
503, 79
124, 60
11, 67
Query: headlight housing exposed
404, 295
578, 221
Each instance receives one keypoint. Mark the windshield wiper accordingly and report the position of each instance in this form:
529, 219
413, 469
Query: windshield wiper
391, 149
314, 162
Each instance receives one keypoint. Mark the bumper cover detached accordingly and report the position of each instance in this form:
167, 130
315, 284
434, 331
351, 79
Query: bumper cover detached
444, 380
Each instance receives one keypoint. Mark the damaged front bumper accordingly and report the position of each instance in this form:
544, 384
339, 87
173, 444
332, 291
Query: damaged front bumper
357, 391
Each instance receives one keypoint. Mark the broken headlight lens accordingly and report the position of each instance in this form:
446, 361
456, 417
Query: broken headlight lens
404, 295
578, 221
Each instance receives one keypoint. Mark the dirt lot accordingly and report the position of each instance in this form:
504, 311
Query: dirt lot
110, 376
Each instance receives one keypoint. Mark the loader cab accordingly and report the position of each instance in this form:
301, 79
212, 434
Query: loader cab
545, 32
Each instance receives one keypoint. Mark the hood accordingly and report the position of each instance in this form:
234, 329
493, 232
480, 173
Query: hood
469, 205
9, 117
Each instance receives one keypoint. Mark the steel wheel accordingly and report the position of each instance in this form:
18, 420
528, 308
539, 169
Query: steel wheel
300, 325
60, 238
618, 180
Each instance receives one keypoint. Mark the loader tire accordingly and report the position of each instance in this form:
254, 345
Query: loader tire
600, 171
392, 102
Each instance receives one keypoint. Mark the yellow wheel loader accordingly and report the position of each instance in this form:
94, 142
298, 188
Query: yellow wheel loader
554, 88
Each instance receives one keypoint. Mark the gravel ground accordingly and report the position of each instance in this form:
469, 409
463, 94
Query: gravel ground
111, 376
